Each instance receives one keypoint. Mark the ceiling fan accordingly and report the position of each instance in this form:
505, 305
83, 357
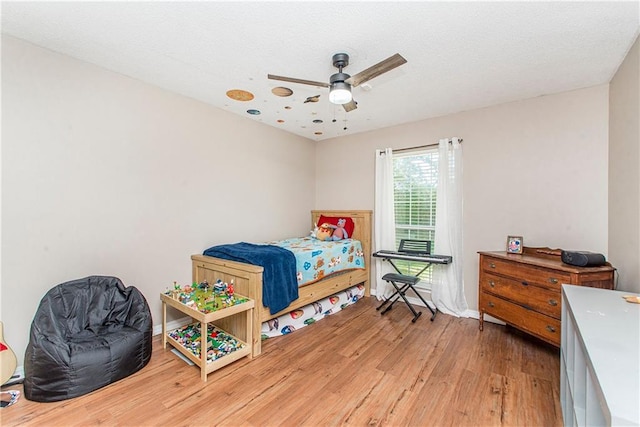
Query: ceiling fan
340, 83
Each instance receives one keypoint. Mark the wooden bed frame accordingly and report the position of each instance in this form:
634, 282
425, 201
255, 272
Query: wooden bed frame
247, 278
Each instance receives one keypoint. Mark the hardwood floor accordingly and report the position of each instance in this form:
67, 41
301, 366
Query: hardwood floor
353, 368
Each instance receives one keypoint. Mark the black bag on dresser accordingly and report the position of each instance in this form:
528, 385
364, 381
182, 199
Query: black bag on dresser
583, 258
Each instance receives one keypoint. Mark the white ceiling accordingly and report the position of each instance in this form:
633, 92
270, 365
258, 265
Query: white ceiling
461, 55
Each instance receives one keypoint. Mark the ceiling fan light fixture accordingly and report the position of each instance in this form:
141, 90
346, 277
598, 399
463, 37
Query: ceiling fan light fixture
340, 93
340, 83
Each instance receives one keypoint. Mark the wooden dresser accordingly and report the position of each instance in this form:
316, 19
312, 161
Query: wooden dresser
524, 290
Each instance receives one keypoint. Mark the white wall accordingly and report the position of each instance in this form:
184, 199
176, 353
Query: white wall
536, 168
103, 174
624, 171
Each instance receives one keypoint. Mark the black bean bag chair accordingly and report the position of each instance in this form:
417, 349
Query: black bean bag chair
86, 334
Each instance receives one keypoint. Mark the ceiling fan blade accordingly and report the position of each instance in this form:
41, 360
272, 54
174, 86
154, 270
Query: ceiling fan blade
349, 106
301, 81
375, 70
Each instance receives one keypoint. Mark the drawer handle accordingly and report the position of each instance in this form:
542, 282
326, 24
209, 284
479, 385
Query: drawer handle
490, 304
492, 265
553, 302
553, 280
492, 284
525, 283
551, 328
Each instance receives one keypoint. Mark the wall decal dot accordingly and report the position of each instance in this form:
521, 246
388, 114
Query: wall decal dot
288, 107
240, 95
317, 133
282, 91
318, 121
280, 121
254, 112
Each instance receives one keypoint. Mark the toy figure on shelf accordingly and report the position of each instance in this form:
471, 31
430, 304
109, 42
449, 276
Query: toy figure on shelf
219, 287
204, 285
230, 289
175, 292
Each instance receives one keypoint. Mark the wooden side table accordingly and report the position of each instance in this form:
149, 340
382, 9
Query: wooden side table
233, 324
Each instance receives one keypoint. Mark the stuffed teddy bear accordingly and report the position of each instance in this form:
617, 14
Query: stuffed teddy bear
339, 231
324, 231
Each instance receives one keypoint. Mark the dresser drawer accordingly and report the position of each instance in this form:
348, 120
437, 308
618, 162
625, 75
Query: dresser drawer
551, 279
544, 327
543, 300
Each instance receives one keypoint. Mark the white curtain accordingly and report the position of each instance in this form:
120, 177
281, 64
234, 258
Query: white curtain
384, 218
448, 286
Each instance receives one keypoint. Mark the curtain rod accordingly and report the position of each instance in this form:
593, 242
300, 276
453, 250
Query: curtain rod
435, 144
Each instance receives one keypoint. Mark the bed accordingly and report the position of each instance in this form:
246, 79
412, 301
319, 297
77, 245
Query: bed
248, 278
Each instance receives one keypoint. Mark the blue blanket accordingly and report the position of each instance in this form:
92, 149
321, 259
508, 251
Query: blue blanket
279, 282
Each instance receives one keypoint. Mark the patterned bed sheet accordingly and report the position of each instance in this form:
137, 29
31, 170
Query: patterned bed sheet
311, 313
316, 259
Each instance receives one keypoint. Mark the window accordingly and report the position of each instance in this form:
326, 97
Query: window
415, 185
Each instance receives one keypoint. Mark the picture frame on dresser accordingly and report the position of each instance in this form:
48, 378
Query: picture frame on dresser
514, 244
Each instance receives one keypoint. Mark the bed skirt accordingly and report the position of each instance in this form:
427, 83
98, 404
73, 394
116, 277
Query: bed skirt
311, 313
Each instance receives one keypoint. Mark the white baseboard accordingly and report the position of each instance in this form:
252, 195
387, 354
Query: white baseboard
488, 318
174, 324
16, 378
473, 314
